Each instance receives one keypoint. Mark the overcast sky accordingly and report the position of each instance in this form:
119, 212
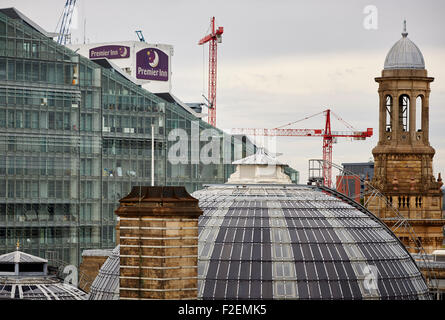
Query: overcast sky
279, 61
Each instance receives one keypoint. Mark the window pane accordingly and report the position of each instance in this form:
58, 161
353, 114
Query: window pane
2, 69
2, 118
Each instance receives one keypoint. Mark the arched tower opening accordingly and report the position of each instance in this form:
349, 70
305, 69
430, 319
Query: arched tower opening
388, 113
419, 107
404, 104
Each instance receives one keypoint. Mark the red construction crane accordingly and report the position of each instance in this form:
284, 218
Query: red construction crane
326, 133
213, 38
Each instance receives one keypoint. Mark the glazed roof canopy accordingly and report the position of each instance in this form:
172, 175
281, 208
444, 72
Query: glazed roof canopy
49, 288
24, 276
20, 257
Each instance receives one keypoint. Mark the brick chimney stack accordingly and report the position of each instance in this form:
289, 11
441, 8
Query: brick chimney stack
158, 236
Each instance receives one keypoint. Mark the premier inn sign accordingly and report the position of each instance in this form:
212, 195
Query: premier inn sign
152, 64
110, 52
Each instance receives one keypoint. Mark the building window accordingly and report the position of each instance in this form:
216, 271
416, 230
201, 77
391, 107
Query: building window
35, 71
11, 119
27, 119
2, 28
59, 73
27, 71
51, 189
10, 165
11, 70
43, 72
34, 119
43, 120
2, 192
2, 165
86, 122
19, 69
2, 118
11, 189
59, 120
34, 189
59, 189
86, 189
88, 100
2, 69
51, 73
19, 165
19, 189
51, 120
86, 167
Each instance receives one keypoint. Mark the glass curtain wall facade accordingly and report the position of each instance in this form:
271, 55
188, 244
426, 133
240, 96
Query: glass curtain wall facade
74, 138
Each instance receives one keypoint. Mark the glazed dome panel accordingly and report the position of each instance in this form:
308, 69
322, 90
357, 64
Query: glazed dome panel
297, 242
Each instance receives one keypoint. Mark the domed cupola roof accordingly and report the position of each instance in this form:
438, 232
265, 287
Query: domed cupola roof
404, 54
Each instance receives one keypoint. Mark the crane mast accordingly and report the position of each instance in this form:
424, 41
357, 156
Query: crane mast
213, 39
327, 150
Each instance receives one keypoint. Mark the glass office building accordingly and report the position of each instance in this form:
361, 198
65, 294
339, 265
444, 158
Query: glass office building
75, 136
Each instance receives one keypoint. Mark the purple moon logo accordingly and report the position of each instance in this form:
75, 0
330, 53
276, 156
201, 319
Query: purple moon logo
110, 52
153, 58
123, 51
152, 64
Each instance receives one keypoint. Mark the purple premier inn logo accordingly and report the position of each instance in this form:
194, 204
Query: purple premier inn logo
152, 64
110, 52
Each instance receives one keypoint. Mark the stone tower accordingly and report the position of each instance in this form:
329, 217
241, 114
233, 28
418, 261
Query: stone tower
403, 157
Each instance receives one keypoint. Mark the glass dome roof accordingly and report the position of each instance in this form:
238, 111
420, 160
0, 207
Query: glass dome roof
297, 242
283, 241
24, 276
289, 242
39, 288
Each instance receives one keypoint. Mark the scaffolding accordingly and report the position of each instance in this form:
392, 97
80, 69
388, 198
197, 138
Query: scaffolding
83, 281
369, 195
